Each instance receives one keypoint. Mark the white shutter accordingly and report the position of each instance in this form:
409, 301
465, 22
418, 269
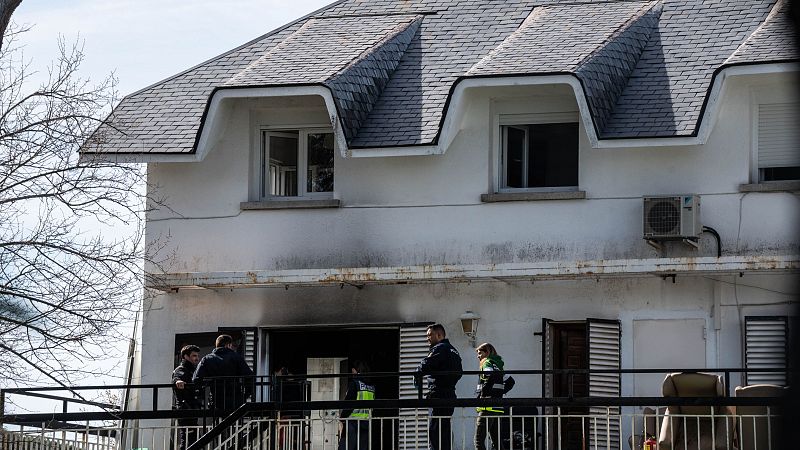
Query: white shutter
547, 383
547, 357
778, 135
604, 349
413, 426
765, 340
249, 347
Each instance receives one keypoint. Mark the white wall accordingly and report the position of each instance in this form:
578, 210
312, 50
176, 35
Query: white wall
427, 209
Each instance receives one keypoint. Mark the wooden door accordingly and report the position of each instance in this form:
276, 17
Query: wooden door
570, 352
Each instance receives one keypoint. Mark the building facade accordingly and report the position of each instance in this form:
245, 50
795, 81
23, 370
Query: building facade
559, 170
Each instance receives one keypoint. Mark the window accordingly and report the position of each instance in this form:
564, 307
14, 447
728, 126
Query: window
296, 163
539, 153
777, 139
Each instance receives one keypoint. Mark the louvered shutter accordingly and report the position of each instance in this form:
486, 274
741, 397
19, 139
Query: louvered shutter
604, 354
765, 341
547, 382
249, 344
413, 426
547, 357
778, 135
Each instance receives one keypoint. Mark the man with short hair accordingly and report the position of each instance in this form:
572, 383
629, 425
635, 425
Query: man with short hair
185, 396
230, 392
443, 364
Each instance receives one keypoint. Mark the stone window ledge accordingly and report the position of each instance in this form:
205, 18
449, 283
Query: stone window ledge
771, 186
290, 204
532, 196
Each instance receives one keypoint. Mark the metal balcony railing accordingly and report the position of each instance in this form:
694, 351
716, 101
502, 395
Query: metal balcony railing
269, 421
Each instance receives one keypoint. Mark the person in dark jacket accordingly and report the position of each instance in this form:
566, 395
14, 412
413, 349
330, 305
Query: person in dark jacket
490, 385
355, 427
185, 395
443, 365
227, 374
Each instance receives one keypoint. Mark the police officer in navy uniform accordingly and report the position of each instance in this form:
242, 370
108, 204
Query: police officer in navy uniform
355, 429
442, 358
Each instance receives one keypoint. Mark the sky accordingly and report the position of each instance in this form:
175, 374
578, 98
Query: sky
143, 42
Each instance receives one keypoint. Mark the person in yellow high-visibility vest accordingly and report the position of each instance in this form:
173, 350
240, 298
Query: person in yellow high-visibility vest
490, 385
356, 422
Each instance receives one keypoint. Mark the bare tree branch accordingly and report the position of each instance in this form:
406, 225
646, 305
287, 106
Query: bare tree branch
71, 239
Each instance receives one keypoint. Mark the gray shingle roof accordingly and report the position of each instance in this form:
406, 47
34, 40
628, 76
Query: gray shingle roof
774, 40
646, 66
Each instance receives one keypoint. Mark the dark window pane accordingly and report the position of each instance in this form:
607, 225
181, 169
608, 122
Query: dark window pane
553, 158
282, 177
515, 148
780, 173
320, 162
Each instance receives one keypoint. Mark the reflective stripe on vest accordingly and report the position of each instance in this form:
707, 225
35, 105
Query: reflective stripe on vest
489, 409
365, 392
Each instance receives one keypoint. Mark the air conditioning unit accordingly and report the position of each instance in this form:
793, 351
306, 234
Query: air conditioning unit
671, 217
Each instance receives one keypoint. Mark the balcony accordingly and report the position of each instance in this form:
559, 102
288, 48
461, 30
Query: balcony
269, 421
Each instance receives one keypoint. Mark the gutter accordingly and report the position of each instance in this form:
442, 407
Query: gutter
459, 273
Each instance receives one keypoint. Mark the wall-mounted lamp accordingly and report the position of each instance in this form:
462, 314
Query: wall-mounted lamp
469, 325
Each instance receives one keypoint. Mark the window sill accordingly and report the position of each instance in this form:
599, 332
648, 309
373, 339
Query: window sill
290, 204
771, 186
532, 196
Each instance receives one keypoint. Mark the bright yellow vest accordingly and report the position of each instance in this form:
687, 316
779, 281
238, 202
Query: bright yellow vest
365, 392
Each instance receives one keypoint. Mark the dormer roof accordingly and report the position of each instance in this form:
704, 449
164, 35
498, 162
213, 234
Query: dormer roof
645, 67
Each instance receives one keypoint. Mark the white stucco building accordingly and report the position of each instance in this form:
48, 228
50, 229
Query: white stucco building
373, 167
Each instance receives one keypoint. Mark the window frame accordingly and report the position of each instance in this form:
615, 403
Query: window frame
504, 121
262, 157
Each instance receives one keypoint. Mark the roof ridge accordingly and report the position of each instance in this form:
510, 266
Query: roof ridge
646, 8
536, 11
776, 10
358, 85
283, 42
397, 30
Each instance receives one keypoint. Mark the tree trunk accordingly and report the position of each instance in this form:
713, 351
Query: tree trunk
7, 8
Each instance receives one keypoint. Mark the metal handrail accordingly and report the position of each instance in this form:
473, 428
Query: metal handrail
391, 404
268, 381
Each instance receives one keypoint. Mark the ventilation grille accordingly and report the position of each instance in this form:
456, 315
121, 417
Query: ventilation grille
765, 340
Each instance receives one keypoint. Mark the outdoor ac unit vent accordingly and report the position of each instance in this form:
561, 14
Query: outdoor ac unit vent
672, 217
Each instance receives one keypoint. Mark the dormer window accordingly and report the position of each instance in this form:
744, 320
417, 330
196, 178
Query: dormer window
539, 152
296, 163
776, 142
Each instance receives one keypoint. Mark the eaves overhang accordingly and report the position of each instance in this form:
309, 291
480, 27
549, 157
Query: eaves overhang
533, 271
455, 107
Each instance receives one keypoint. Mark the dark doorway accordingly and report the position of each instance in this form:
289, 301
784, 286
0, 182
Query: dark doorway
570, 351
378, 347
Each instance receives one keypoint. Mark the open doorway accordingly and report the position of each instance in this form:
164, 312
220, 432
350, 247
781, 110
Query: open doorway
378, 347
301, 350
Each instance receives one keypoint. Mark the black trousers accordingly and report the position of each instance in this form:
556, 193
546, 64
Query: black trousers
187, 432
488, 423
439, 434
355, 435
